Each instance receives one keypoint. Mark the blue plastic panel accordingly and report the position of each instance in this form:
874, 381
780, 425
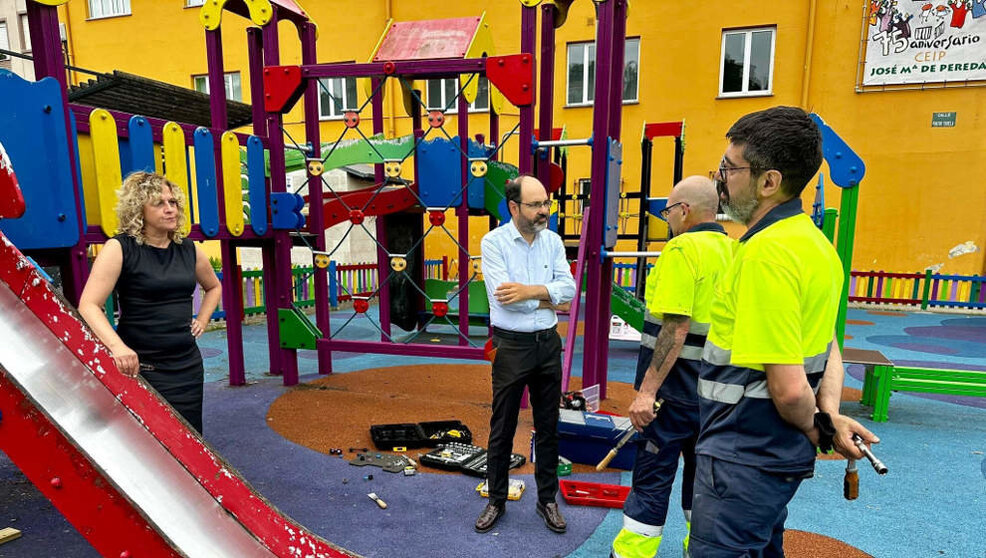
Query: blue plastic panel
613, 166
255, 184
32, 130
846, 169
141, 146
205, 182
439, 172
476, 191
285, 211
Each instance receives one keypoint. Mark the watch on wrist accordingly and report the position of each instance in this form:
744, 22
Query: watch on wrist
826, 431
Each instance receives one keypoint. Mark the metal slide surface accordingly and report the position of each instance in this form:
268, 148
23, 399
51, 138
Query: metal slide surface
91, 417
92, 439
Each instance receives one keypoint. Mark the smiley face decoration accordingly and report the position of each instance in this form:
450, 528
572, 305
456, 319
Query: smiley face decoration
351, 118
398, 263
392, 168
436, 118
478, 168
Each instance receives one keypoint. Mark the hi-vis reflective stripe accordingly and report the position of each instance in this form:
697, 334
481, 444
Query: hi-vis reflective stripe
698, 328
634, 526
732, 393
718, 356
688, 352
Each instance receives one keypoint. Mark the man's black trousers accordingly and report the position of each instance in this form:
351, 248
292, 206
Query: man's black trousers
532, 360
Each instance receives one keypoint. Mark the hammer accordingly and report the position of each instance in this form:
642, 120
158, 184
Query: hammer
626, 438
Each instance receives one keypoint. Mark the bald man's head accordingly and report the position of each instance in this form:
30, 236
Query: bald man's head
692, 201
700, 194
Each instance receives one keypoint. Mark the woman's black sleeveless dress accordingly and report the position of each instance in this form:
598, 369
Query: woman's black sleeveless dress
155, 294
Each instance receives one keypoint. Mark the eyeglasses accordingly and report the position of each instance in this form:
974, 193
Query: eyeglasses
546, 204
723, 172
667, 210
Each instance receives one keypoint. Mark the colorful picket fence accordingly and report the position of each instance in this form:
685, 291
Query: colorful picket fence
344, 282
927, 290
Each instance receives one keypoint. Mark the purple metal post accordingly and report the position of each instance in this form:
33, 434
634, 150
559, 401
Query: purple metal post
255, 51
49, 62
316, 217
615, 108
281, 260
546, 95
528, 36
463, 213
383, 258
597, 289
232, 287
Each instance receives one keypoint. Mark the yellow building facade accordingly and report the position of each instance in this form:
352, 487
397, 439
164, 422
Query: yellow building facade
921, 195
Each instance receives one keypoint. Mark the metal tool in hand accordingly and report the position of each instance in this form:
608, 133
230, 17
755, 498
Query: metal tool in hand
878, 465
626, 438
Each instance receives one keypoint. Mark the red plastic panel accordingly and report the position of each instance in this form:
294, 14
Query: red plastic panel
11, 197
282, 88
513, 75
661, 129
427, 39
555, 134
387, 201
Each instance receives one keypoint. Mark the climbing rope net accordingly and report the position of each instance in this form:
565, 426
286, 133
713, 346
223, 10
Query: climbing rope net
393, 165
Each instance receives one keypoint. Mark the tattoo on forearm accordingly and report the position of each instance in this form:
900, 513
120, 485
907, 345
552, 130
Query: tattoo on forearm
665, 339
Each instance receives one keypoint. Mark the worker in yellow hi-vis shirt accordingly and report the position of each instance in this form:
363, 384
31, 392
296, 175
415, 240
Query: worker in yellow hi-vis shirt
679, 297
771, 379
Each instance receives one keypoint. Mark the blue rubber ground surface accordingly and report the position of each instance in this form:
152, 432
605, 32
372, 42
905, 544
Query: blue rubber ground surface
930, 504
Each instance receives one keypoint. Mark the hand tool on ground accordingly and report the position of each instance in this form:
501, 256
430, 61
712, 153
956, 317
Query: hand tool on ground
373, 496
626, 438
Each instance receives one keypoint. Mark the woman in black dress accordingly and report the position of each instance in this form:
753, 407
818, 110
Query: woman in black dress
154, 271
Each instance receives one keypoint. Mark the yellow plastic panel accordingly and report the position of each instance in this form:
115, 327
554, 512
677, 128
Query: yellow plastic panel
232, 183
88, 168
211, 14
177, 164
496, 99
106, 158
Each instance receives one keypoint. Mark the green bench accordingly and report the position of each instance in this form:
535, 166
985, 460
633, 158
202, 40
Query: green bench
882, 378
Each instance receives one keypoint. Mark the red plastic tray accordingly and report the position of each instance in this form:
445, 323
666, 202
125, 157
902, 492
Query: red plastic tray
594, 494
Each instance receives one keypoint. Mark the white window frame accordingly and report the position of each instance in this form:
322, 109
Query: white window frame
347, 103
747, 48
228, 79
588, 88
102, 9
194, 3
454, 109
5, 43
25, 33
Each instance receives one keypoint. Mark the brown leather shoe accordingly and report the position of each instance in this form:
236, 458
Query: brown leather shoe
552, 517
491, 514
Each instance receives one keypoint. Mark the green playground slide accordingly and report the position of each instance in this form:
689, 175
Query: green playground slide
627, 307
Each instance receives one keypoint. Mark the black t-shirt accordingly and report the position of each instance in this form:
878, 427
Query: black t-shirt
155, 294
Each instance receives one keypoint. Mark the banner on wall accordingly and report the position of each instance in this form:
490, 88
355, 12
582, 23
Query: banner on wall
921, 41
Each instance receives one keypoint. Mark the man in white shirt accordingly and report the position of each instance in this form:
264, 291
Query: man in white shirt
527, 279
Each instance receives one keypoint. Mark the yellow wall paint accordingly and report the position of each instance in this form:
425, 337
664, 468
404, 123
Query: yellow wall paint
920, 196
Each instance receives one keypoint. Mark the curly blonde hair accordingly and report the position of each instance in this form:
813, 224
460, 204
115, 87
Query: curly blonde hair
138, 189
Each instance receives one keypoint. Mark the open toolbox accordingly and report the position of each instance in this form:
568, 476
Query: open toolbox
390, 436
419, 435
444, 431
593, 494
